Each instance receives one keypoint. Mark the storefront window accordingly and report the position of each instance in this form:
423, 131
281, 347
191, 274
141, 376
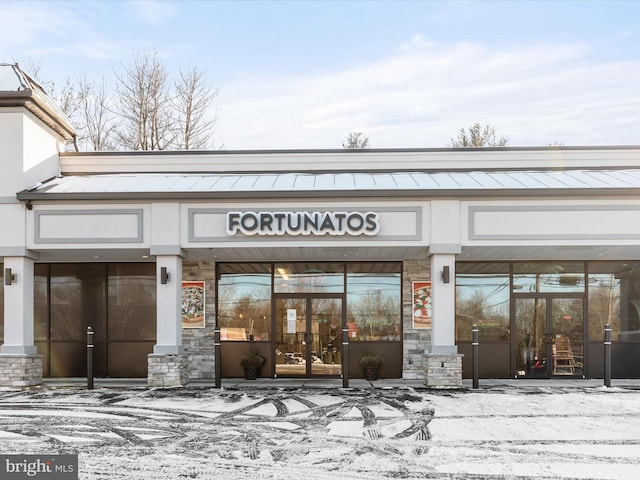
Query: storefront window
373, 302
373, 294
132, 302
244, 301
308, 278
548, 277
78, 301
614, 298
2, 307
483, 298
41, 303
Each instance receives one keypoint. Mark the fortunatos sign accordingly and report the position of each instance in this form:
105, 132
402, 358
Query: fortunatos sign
303, 223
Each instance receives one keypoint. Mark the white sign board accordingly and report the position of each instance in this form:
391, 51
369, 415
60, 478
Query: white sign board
292, 316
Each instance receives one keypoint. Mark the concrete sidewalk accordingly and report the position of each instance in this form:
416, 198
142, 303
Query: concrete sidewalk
324, 383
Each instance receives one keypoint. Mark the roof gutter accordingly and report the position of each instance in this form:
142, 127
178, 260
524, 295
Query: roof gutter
27, 99
35, 195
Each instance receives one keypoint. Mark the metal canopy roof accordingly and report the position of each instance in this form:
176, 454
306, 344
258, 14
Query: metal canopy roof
154, 185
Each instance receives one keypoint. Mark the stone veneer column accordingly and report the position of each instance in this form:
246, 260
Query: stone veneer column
443, 371
444, 364
167, 365
199, 342
414, 341
167, 370
20, 364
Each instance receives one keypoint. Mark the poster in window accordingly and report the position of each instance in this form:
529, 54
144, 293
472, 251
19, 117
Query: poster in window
422, 305
292, 318
193, 304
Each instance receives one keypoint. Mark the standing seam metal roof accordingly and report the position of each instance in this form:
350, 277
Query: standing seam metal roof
519, 182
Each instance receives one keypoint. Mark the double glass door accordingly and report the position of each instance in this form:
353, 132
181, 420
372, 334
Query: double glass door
549, 336
308, 336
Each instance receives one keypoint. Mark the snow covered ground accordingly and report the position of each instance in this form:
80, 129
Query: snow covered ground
298, 433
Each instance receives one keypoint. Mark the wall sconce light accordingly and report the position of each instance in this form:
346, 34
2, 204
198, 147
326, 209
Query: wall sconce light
445, 274
9, 277
164, 275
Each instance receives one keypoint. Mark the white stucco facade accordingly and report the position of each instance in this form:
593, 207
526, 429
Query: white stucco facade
438, 207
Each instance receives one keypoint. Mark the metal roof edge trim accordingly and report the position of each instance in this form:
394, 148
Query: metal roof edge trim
351, 151
33, 104
354, 171
30, 195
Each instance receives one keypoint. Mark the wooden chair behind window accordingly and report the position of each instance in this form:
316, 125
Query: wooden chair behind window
563, 361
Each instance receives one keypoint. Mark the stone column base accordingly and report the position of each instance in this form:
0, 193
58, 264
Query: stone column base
20, 370
167, 371
443, 370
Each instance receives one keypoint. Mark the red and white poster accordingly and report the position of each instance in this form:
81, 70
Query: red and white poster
422, 305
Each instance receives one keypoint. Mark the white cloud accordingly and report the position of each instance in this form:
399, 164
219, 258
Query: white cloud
536, 95
151, 12
47, 29
25, 23
419, 97
417, 41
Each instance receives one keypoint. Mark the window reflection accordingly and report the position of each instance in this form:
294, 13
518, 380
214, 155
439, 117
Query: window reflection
2, 307
374, 310
41, 302
612, 288
614, 298
244, 302
77, 301
132, 302
548, 277
483, 299
308, 278
117, 300
373, 306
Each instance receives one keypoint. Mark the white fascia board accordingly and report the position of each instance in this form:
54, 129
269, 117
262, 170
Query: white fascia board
341, 160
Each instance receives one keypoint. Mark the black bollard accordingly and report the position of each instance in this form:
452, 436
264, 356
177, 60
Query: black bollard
216, 354
89, 358
475, 343
607, 355
345, 357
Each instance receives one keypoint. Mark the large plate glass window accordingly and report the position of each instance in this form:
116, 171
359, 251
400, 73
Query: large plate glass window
244, 301
614, 298
374, 301
308, 277
483, 299
2, 307
548, 277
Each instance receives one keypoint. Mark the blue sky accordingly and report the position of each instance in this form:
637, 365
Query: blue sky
302, 74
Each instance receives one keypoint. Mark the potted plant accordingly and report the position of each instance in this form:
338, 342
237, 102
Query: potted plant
371, 364
252, 364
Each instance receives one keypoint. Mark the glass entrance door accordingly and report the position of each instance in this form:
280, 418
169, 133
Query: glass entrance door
308, 337
549, 336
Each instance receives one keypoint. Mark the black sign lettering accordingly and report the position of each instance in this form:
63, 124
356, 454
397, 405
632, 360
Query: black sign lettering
303, 223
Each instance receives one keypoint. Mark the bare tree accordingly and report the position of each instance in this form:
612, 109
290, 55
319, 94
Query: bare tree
33, 68
193, 97
145, 111
143, 105
97, 123
68, 98
478, 136
355, 140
